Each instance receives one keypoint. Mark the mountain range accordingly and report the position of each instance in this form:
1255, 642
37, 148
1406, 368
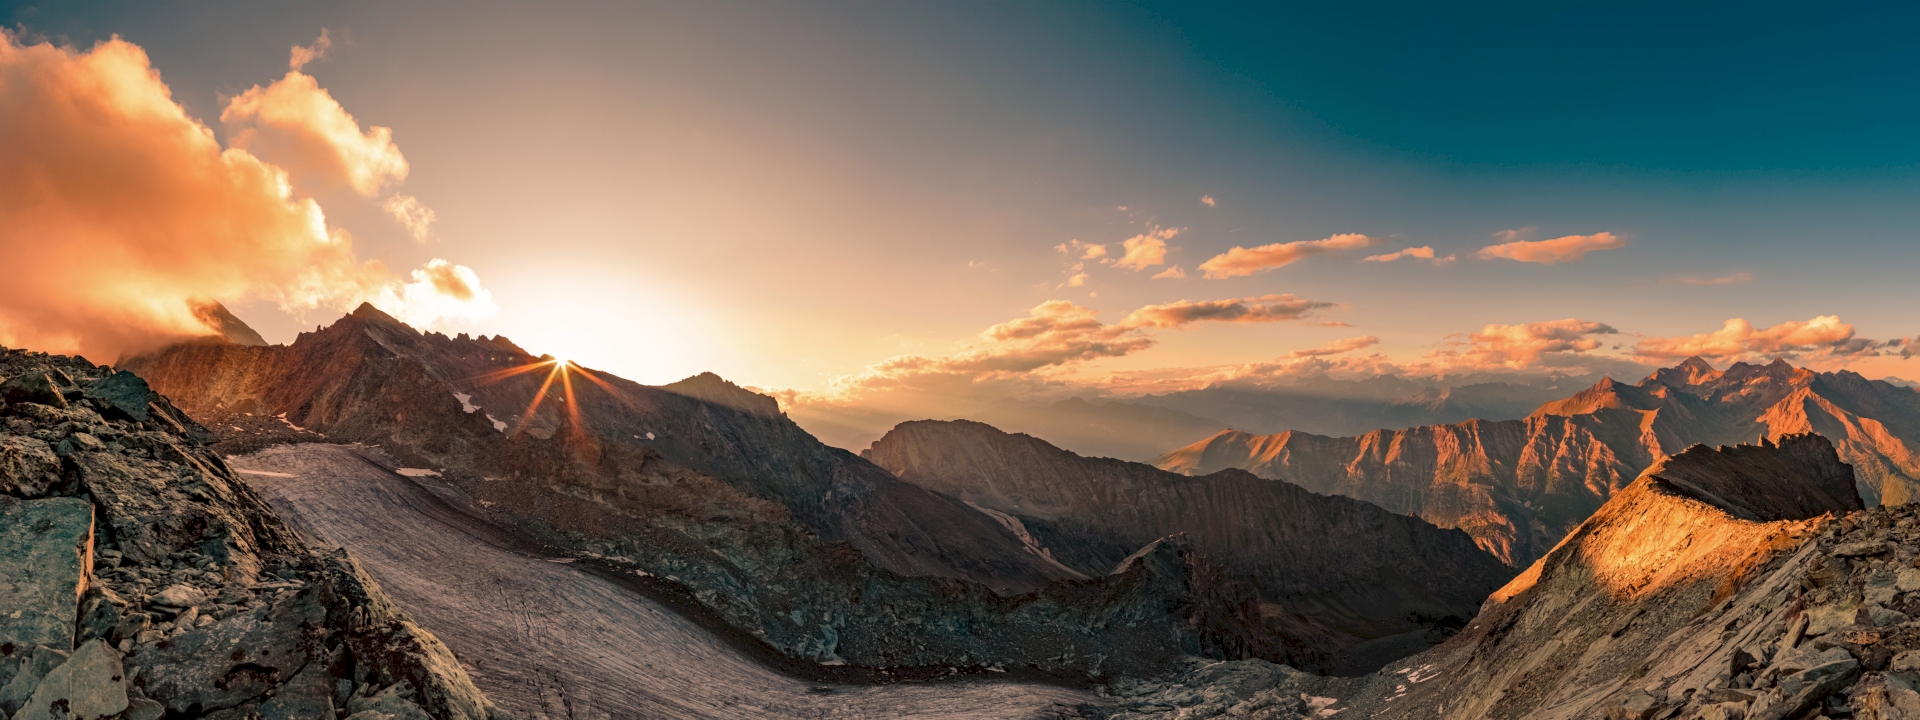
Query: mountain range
1518, 486
820, 554
1370, 584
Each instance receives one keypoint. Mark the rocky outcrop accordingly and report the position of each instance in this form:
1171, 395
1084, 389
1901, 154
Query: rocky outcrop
1742, 582
1333, 572
1518, 486
142, 579
710, 489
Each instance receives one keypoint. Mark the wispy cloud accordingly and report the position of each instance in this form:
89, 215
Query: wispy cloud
1571, 248
1173, 272
1521, 346
1738, 278
1421, 253
1265, 308
1240, 261
1336, 347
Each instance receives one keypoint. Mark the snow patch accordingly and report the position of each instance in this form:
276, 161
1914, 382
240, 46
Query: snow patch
497, 425
418, 472
1425, 673
265, 473
466, 403
1321, 707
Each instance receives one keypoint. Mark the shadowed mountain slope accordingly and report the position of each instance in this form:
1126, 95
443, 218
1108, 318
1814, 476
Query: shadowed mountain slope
1518, 486
1337, 571
1128, 431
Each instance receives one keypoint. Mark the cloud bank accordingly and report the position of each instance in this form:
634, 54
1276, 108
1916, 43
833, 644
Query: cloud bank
118, 210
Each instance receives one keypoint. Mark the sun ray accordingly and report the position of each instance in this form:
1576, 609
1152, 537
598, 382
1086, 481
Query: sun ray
537, 397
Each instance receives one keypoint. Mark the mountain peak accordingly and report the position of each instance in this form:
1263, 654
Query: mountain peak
717, 390
219, 318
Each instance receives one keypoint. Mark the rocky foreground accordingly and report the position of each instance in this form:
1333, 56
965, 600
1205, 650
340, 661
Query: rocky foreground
1743, 583
141, 579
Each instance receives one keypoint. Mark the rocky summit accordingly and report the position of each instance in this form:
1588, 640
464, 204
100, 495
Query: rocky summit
142, 579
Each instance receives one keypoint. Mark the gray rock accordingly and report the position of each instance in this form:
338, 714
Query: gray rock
232, 661
130, 626
308, 695
1862, 549
28, 467
393, 703
179, 596
90, 685
46, 545
79, 442
32, 387
100, 613
145, 709
35, 663
123, 394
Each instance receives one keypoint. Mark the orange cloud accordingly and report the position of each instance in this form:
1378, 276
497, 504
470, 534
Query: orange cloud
1085, 251
1173, 272
1739, 278
1422, 253
407, 210
1739, 338
1208, 201
1523, 346
117, 209
310, 53
1337, 347
1241, 261
1077, 280
298, 125
1266, 308
1147, 249
1571, 248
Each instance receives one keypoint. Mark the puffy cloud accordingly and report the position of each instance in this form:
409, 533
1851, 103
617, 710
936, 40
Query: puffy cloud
1241, 261
1266, 308
117, 209
1737, 338
413, 215
298, 125
440, 291
1147, 249
1173, 272
1077, 280
1739, 278
1208, 201
1571, 248
310, 53
1523, 346
1422, 253
1337, 347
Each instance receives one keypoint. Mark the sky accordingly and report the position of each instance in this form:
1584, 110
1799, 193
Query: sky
928, 206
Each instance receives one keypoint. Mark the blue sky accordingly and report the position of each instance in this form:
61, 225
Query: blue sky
791, 193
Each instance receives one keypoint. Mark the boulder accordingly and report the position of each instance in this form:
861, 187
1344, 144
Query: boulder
28, 467
46, 547
88, 686
100, 613
33, 666
32, 387
123, 395
179, 596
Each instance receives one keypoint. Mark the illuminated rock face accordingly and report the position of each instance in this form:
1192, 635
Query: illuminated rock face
1337, 572
1518, 486
1740, 582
